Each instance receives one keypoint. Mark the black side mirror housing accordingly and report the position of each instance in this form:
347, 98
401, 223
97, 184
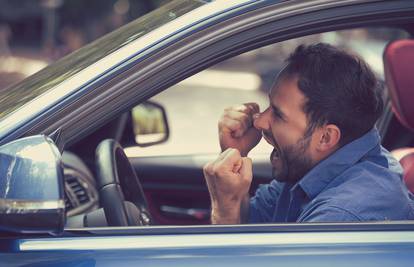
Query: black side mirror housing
31, 186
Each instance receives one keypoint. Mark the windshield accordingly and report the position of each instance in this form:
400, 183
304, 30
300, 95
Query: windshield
16, 96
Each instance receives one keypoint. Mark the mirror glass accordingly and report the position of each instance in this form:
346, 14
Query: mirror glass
149, 124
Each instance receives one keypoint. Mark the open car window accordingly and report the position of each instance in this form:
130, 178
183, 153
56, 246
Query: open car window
171, 173
198, 102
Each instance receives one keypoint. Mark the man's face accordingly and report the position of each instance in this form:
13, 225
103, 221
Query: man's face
283, 125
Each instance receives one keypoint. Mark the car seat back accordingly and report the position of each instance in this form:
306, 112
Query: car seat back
399, 76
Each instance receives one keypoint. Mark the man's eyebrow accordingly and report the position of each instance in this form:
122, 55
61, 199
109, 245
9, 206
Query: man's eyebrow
278, 112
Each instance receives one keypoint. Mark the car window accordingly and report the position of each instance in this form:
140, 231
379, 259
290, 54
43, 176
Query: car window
194, 105
174, 186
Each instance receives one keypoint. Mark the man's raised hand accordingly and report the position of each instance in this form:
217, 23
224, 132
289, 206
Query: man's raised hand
228, 179
236, 128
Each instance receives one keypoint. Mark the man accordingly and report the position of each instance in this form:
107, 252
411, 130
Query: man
328, 164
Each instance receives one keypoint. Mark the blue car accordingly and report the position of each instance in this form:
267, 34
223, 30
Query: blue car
88, 176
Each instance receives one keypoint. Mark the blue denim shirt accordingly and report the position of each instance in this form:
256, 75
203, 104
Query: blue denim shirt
359, 182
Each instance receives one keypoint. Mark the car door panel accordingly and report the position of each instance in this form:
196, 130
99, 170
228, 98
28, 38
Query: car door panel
176, 190
240, 246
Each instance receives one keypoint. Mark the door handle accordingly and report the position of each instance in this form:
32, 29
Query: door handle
198, 214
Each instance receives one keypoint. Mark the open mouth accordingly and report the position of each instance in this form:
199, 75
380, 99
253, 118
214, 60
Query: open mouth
275, 155
276, 150
269, 139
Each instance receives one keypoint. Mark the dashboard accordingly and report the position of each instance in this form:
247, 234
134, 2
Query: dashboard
81, 195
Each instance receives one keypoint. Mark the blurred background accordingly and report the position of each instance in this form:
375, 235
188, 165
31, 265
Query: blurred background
35, 33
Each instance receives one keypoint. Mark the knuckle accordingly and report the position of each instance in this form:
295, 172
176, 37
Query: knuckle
249, 106
255, 105
216, 169
235, 152
238, 124
240, 108
245, 123
221, 123
229, 110
227, 123
208, 168
224, 117
245, 116
238, 133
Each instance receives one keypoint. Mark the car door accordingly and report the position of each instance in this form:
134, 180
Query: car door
379, 244
390, 244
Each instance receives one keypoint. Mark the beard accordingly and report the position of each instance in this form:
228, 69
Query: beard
292, 162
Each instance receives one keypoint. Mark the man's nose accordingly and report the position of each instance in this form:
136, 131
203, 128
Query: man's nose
261, 121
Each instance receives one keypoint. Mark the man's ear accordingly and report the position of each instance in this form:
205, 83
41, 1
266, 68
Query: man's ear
329, 137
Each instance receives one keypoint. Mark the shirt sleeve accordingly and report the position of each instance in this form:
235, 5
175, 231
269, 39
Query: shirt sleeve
263, 203
329, 214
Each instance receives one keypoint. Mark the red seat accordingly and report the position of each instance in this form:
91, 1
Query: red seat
399, 76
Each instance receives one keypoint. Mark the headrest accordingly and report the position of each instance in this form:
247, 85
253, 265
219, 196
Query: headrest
399, 76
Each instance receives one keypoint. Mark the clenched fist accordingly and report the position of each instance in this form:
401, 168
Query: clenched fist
236, 128
228, 179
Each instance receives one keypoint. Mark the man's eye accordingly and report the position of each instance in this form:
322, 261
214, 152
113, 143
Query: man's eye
277, 114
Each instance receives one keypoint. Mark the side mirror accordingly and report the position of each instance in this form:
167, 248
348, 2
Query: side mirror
31, 186
150, 124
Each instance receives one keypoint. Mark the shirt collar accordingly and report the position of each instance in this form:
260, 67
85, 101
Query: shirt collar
328, 169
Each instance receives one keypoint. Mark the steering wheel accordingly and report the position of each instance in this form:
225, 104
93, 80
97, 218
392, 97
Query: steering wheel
120, 191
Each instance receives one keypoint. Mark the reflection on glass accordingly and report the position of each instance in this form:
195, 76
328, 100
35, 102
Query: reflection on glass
148, 124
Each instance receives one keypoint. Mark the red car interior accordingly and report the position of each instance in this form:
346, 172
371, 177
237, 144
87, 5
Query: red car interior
399, 76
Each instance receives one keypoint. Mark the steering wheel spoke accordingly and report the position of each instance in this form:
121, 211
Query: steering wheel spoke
120, 191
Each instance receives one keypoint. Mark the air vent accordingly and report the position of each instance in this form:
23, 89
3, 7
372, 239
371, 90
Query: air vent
78, 189
80, 194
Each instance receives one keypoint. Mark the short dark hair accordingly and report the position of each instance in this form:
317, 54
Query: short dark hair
340, 89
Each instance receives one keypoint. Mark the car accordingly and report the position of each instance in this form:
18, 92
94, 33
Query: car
70, 193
